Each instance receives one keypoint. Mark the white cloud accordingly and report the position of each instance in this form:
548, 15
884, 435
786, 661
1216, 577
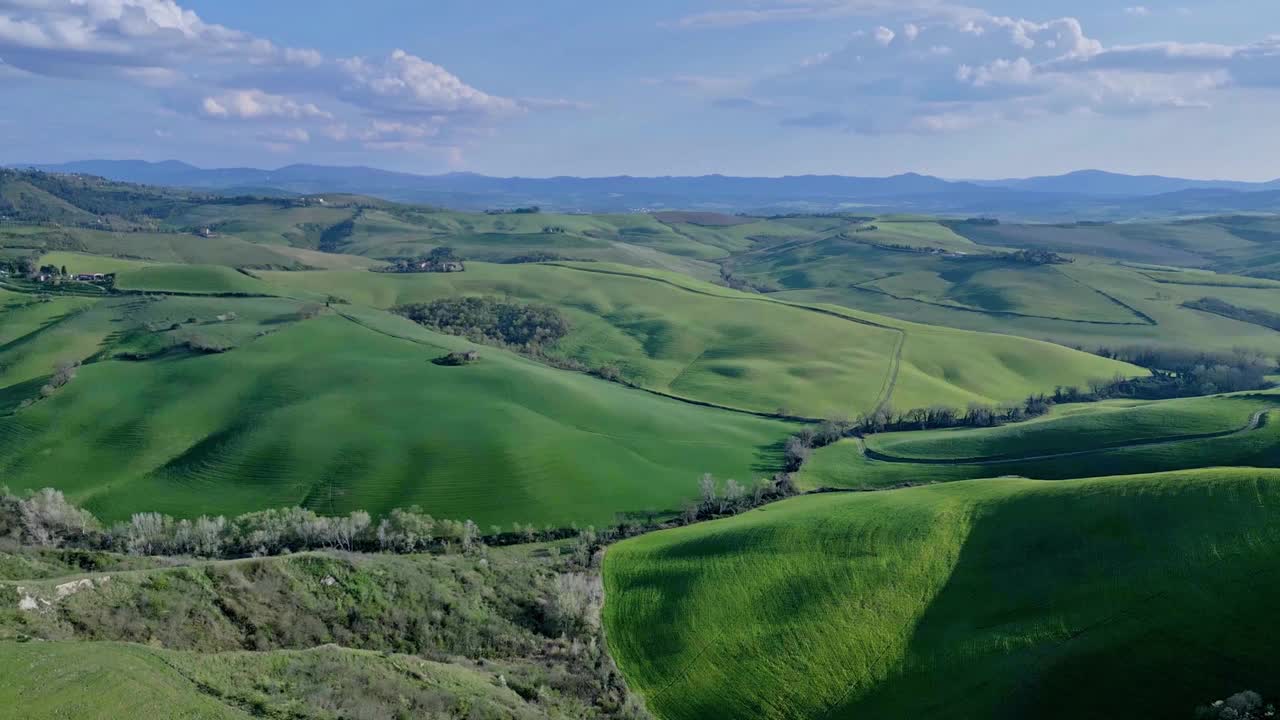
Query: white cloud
78, 37
998, 72
980, 70
911, 31
407, 84
1138, 11
810, 10
259, 105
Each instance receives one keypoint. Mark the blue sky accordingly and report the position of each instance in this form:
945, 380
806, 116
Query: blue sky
743, 87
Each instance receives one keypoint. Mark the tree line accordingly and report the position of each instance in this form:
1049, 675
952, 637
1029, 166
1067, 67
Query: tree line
1174, 373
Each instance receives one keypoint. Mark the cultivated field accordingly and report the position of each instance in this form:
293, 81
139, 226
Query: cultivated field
950, 601
254, 427
1091, 440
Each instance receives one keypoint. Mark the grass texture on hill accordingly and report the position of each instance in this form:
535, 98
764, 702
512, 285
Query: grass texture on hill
107, 681
1092, 442
343, 413
709, 343
198, 279
1117, 597
1087, 426
1092, 302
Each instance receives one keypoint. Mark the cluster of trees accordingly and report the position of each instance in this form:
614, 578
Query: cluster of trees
1037, 257
1253, 316
64, 371
487, 320
728, 279
534, 257
732, 497
441, 259
1176, 373
47, 519
531, 210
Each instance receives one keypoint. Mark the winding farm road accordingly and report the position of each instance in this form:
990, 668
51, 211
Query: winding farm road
1256, 422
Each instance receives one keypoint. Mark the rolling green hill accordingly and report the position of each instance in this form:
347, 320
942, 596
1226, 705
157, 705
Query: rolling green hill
1091, 440
1081, 427
1118, 597
680, 336
1089, 303
348, 412
199, 279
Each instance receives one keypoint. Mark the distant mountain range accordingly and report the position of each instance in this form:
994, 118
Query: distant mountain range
1083, 195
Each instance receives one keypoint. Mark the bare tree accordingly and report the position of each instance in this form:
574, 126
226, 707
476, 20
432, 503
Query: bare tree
733, 495
707, 490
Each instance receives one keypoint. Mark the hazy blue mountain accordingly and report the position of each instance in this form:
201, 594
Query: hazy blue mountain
1087, 194
1101, 183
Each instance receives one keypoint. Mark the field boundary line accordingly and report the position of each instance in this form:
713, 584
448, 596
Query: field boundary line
999, 313
1147, 319
659, 393
1256, 422
895, 359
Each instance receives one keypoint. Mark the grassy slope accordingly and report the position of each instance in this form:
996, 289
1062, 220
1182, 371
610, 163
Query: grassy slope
844, 465
1089, 425
157, 247
714, 344
117, 680
211, 279
331, 414
1063, 303
915, 603
757, 356
106, 681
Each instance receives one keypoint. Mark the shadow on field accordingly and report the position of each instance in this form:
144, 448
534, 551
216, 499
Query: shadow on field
1098, 605
769, 458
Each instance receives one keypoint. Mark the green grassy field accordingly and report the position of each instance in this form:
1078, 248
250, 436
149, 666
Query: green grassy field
117, 680
203, 279
705, 342
1089, 303
1117, 597
255, 427
1075, 427
100, 681
1094, 441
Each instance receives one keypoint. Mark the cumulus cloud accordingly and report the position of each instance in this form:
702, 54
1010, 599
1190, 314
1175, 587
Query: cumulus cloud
258, 105
405, 83
226, 76
957, 72
79, 37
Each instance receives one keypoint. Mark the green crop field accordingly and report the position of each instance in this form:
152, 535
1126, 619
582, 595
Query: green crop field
255, 427
1085, 426
201, 279
696, 340
1117, 597
1093, 441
